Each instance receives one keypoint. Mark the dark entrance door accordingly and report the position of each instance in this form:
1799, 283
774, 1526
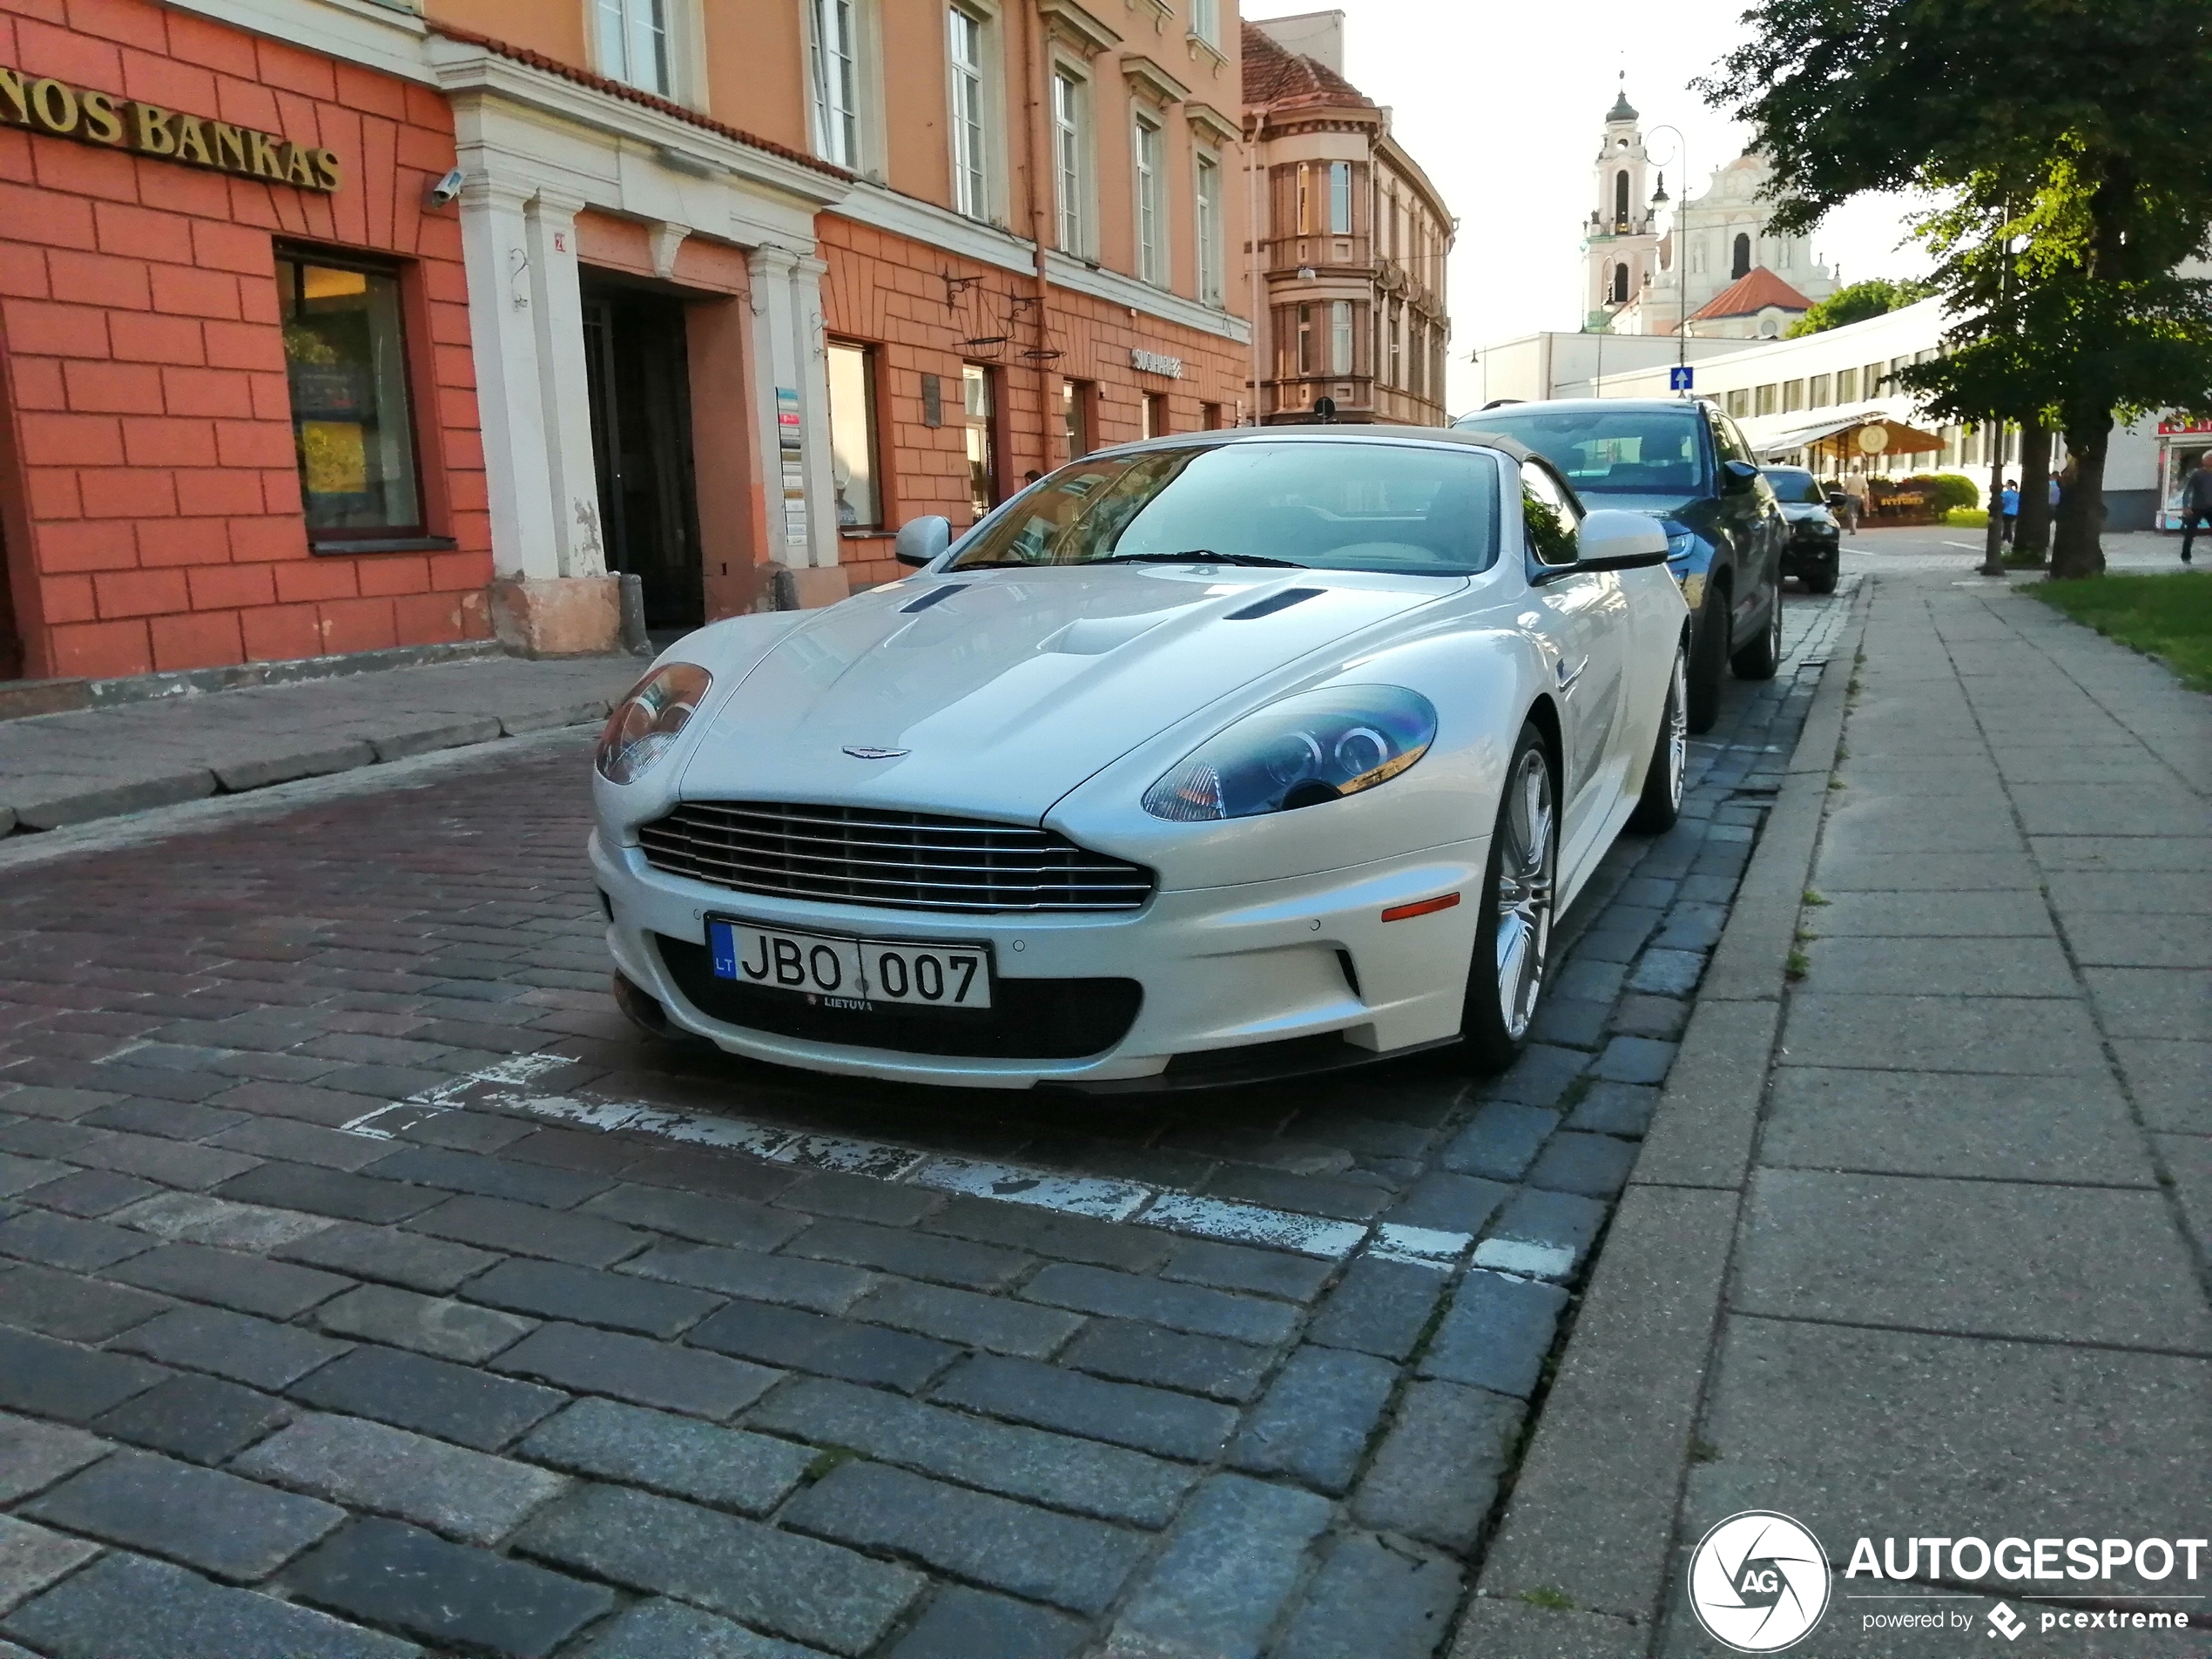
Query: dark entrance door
636, 364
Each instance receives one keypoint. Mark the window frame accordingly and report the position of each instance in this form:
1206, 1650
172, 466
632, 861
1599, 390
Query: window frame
615, 62
1344, 348
1148, 182
1340, 195
974, 176
423, 534
850, 125
1074, 197
1206, 209
872, 419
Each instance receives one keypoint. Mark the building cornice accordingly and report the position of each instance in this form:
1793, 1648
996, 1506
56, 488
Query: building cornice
466, 69
1149, 81
1066, 20
1222, 129
1142, 297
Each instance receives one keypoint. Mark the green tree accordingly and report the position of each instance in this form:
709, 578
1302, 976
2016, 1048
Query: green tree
2073, 142
1873, 298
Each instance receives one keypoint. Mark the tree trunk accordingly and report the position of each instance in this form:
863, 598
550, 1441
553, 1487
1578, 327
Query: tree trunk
2077, 550
2032, 535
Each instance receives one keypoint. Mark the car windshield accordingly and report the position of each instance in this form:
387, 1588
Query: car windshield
1421, 509
1641, 452
1795, 484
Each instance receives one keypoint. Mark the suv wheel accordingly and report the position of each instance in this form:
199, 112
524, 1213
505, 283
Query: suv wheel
1707, 657
1758, 660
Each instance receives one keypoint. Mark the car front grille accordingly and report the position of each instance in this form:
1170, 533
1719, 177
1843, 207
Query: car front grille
901, 860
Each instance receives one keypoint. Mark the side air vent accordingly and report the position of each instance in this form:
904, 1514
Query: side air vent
1273, 603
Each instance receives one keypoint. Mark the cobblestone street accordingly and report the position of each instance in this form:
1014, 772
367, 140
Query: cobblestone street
367, 1285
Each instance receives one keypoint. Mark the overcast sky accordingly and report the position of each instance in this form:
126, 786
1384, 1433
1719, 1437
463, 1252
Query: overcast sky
1503, 102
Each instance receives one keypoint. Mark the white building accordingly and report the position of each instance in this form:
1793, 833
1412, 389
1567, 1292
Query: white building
1792, 394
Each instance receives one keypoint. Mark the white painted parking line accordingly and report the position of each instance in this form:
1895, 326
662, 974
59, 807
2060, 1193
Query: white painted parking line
504, 1086
1519, 1255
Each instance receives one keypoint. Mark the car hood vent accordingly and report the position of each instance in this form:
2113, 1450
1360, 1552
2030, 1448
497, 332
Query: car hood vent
1274, 601
934, 597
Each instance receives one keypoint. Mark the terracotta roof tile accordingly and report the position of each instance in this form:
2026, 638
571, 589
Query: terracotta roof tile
1750, 295
1275, 75
633, 95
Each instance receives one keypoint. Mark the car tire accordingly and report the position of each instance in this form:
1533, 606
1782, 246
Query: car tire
1759, 659
1707, 659
1660, 803
1513, 935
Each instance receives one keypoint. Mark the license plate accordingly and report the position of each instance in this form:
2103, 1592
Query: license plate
847, 972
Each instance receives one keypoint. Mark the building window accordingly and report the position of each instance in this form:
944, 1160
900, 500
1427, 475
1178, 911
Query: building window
1077, 398
1395, 331
1740, 267
1151, 222
1620, 285
979, 415
1210, 417
853, 436
1620, 200
1762, 400
1206, 21
633, 43
1340, 199
345, 356
1305, 340
1871, 381
971, 180
1340, 336
1739, 403
837, 55
1155, 414
1069, 141
1397, 228
1793, 396
1206, 184
1846, 385
1417, 355
1819, 399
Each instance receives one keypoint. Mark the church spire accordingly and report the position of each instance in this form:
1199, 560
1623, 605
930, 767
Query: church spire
1621, 109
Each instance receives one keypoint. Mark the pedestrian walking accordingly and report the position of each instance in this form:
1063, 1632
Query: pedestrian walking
2008, 503
1854, 499
2196, 503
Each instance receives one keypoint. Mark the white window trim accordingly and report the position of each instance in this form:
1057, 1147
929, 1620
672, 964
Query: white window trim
1213, 278
991, 209
684, 30
1156, 269
864, 59
1085, 247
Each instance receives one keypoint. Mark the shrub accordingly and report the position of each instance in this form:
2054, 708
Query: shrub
1944, 491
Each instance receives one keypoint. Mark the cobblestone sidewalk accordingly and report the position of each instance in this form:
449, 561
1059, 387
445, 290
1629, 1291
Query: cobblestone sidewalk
471, 1380
57, 769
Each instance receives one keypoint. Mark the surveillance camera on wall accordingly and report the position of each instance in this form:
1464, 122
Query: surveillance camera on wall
444, 193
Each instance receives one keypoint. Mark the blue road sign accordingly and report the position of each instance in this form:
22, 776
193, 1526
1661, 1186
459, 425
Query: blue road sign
1680, 378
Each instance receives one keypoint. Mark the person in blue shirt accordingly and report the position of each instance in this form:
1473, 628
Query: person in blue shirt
2008, 502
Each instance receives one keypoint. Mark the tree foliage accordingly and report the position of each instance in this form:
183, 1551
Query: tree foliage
2070, 143
1875, 297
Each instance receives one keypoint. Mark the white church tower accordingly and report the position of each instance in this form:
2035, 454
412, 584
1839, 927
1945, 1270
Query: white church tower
1621, 241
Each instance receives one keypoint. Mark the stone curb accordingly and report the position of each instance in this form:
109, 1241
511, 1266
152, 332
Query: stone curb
1588, 1530
236, 776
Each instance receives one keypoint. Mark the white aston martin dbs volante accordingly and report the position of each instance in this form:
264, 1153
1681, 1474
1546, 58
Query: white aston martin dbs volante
1203, 759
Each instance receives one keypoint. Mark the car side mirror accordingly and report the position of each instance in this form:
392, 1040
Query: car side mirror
1737, 475
1613, 541
922, 541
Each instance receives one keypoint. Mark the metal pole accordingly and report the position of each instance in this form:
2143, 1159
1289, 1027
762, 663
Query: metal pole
1682, 251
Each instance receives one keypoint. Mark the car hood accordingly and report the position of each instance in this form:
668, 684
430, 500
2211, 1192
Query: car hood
998, 698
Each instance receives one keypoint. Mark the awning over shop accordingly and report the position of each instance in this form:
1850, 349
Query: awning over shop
1838, 434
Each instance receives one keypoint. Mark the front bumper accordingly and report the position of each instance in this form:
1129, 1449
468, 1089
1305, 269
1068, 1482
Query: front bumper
1219, 968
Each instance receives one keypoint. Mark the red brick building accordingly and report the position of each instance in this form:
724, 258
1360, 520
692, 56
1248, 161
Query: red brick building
239, 418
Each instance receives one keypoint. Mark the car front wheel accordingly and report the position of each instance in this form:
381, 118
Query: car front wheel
1661, 802
1512, 937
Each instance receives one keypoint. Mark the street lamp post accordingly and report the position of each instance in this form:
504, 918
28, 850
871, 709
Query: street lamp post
1682, 272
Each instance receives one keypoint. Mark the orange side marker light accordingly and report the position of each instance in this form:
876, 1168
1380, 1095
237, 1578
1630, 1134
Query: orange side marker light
1421, 907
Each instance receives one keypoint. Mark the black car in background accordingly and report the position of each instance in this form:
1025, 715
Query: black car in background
1816, 539
1685, 462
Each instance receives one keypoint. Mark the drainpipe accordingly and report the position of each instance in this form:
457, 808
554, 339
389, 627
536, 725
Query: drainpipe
1251, 260
1036, 65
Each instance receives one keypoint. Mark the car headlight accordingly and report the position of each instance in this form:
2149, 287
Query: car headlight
645, 725
1681, 544
1314, 747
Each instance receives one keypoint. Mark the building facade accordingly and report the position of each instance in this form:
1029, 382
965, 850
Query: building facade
1346, 273
240, 417
559, 319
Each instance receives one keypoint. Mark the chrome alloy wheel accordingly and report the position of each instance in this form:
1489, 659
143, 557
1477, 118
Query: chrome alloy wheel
1528, 832
1678, 726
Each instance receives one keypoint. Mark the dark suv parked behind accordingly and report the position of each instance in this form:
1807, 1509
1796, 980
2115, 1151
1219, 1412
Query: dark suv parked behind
1684, 461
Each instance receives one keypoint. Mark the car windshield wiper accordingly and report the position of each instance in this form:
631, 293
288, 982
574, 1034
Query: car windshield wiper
1201, 556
